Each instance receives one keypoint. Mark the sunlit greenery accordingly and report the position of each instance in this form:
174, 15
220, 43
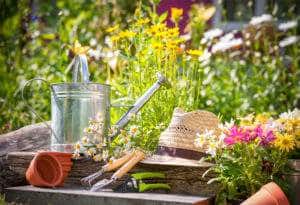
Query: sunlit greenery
128, 47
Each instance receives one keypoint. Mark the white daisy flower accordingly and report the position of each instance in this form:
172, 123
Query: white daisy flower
200, 141
212, 149
93, 42
287, 25
133, 130
255, 20
213, 33
288, 41
223, 46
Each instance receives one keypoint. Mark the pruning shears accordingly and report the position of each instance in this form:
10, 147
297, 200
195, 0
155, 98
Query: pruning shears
136, 184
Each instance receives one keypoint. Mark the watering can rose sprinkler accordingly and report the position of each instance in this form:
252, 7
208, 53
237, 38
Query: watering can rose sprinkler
73, 104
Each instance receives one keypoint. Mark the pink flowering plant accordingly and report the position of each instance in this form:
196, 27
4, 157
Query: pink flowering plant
249, 153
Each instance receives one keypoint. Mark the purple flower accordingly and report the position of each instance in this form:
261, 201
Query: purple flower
258, 131
267, 138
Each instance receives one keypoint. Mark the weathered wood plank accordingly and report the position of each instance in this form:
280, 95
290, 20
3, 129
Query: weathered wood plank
78, 196
183, 180
29, 138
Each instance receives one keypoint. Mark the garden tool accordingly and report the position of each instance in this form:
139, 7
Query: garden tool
138, 156
110, 166
135, 183
74, 103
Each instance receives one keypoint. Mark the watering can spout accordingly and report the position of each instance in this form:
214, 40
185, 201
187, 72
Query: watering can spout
141, 101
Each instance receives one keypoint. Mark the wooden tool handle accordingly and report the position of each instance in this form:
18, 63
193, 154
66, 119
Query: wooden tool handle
138, 156
118, 162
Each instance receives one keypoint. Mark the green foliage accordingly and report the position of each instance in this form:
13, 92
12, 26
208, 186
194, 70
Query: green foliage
33, 44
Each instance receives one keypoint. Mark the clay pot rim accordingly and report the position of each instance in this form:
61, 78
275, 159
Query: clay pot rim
59, 174
56, 154
272, 187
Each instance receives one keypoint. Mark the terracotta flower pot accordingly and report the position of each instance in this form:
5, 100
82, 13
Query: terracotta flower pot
65, 161
44, 170
269, 194
49, 169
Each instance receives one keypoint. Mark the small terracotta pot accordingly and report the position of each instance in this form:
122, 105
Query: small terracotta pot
269, 194
44, 171
65, 161
49, 169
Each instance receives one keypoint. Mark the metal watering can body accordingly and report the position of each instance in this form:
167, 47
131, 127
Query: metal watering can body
72, 106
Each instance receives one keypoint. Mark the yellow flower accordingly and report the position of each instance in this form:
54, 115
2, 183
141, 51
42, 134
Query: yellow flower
77, 49
141, 22
126, 34
115, 38
195, 52
262, 118
284, 142
77, 146
157, 46
85, 140
155, 28
160, 34
88, 130
112, 29
247, 120
289, 125
173, 32
172, 46
176, 13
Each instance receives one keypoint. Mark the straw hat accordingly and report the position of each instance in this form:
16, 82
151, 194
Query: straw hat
176, 145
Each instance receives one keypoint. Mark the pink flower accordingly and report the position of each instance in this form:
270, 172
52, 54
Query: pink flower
235, 135
229, 141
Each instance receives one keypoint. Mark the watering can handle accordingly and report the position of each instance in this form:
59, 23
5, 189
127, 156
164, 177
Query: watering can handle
80, 61
32, 109
162, 80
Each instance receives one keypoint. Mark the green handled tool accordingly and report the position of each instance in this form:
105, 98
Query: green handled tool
135, 183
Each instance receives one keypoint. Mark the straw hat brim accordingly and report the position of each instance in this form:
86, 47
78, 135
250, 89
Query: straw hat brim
174, 161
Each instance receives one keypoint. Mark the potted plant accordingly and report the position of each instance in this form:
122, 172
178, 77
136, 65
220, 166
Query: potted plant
248, 154
291, 122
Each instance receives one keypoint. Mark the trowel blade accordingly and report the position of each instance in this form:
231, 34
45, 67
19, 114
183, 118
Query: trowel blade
101, 184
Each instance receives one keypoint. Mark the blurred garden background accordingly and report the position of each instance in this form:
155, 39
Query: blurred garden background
230, 57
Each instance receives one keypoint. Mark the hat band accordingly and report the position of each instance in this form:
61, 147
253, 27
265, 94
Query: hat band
178, 152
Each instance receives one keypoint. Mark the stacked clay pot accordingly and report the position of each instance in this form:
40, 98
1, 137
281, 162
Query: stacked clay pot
49, 169
269, 194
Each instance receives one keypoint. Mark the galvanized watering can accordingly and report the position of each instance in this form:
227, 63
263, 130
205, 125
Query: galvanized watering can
74, 104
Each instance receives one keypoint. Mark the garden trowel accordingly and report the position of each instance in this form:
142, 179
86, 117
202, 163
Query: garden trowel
111, 166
